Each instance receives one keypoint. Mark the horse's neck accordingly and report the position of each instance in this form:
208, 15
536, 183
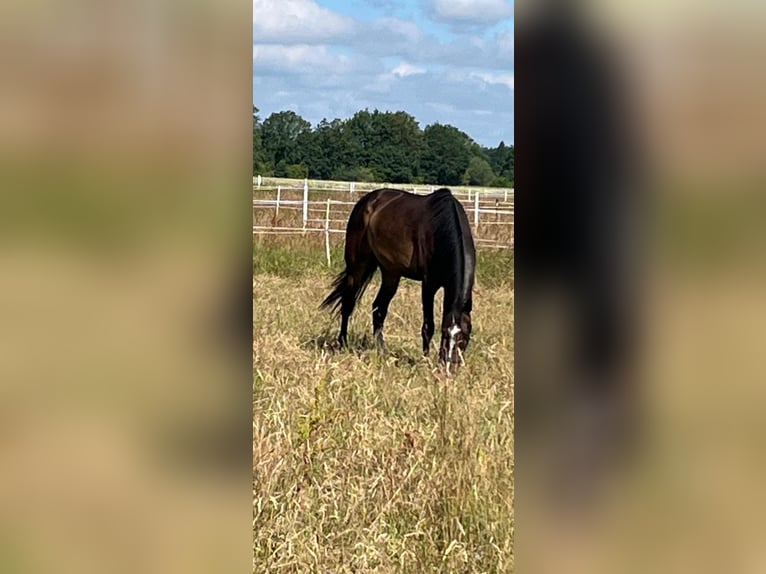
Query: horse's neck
457, 286
454, 290
453, 301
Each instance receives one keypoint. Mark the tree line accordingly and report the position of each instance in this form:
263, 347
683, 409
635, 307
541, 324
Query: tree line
377, 147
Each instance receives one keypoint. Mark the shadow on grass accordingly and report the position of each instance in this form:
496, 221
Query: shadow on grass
327, 340
359, 345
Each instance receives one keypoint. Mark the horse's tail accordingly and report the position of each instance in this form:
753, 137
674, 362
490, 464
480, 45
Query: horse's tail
332, 301
347, 286
351, 283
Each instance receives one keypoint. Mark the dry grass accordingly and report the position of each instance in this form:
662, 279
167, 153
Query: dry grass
370, 464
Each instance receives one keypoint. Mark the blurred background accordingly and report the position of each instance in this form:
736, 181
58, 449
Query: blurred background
125, 376
639, 286
125, 369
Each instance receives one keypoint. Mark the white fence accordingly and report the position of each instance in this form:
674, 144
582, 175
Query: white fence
358, 187
490, 210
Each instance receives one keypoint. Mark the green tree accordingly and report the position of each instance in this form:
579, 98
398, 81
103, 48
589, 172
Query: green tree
501, 159
361, 137
478, 172
358, 173
390, 144
282, 133
330, 154
260, 163
398, 158
376, 146
447, 154
296, 171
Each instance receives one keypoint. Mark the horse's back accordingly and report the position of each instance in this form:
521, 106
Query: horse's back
394, 228
368, 231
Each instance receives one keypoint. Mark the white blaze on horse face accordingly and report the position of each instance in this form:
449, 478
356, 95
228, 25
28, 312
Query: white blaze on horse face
454, 330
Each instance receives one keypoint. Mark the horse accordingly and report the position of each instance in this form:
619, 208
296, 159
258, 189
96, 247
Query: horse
426, 238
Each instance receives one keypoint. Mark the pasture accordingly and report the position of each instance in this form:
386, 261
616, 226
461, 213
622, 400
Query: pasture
365, 463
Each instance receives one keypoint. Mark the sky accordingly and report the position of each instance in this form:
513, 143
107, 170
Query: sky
446, 61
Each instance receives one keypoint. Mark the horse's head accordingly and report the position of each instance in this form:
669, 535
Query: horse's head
455, 338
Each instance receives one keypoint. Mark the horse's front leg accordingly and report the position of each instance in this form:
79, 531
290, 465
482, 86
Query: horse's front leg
427, 332
388, 287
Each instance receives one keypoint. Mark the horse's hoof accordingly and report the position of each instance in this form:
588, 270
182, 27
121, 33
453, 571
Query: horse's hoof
380, 344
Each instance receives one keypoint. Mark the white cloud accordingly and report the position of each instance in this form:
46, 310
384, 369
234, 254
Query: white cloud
441, 108
299, 58
323, 64
504, 40
471, 11
436, 96
404, 69
300, 21
400, 29
493, 78
385, 81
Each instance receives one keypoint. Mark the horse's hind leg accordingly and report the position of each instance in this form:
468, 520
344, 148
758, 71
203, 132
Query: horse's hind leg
345, 312
388, 287
356, 280
347, 304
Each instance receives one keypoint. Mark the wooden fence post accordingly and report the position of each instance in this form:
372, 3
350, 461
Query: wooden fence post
476, 209
305, 203
279, 195
327, 231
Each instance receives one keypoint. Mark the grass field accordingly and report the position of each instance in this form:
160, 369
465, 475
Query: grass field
370, 464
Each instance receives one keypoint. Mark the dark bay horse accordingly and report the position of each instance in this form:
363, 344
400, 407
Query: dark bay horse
424, 238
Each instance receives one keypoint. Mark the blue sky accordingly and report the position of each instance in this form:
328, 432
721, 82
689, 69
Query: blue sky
447, 61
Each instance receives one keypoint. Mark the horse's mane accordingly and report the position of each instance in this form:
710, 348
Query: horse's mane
448, 237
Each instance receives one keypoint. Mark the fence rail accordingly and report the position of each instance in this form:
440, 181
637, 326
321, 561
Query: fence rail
352, 187
281, 207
